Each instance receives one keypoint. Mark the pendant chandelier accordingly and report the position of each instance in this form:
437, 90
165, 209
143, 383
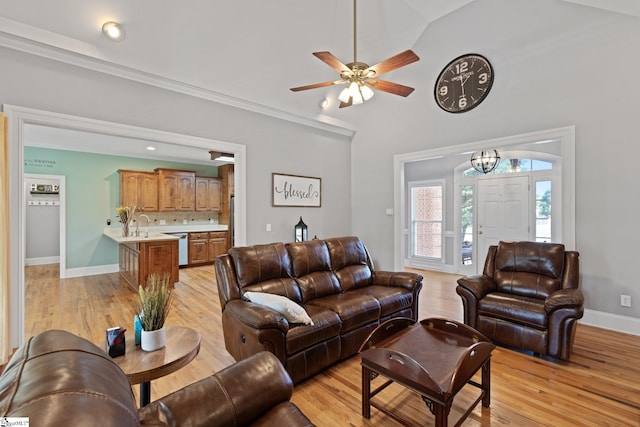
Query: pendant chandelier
485, 161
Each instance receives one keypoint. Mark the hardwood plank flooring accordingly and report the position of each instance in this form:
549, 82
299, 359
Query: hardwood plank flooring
598, 387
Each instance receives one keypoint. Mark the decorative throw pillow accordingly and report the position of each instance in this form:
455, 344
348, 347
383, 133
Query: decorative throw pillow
293, 312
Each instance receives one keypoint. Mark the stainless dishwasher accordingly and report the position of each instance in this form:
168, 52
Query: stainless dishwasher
183, 248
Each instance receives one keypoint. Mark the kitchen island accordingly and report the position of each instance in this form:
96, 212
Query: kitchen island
157, 251
144, 255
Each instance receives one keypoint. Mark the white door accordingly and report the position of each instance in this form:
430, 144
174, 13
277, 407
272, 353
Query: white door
503, 213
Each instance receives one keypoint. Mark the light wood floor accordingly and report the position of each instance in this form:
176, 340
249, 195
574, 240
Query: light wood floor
599, 387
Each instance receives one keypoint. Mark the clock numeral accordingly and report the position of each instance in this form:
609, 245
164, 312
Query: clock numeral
483, 78
462, 102
444, 90
462, 67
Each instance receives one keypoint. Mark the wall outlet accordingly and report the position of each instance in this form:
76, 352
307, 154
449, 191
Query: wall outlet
625, 300
163, 222
268, 227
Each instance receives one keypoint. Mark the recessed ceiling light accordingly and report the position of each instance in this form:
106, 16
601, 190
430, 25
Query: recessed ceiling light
113, 30
151, 148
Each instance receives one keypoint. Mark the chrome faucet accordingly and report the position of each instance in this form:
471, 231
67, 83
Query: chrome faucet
146, 233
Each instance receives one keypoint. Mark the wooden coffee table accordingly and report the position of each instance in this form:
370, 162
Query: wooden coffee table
183, 345
435, 358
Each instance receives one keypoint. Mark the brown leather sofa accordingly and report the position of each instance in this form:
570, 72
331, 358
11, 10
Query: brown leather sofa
60, 379
332, 279
527, 297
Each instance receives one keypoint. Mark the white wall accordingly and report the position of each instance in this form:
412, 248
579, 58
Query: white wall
585, 75
273, 145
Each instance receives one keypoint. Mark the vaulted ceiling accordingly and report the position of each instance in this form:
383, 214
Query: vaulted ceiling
247, 53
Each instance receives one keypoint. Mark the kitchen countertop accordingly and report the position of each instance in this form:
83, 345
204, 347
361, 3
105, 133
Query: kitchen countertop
157, 233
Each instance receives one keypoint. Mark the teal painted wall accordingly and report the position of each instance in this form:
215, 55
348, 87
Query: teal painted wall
92, 196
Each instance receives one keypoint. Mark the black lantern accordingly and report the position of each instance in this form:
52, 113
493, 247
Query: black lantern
485, 161
301, 231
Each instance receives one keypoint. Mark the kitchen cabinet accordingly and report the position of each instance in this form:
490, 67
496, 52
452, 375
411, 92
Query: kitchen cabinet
176, 190
198, 248
204, 247
139, 189
208, 194
217, 244
139, 260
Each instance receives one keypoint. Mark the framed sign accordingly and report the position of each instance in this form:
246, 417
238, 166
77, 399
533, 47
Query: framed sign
293, 190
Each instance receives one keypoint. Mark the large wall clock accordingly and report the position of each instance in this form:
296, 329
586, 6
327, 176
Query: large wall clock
464, 83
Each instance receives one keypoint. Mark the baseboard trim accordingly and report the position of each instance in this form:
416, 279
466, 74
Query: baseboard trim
42, 260
615, 322
92, 271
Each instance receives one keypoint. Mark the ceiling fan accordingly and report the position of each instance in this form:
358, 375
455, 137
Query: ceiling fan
361, 78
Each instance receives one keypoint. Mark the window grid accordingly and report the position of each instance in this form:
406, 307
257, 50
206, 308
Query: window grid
427, 214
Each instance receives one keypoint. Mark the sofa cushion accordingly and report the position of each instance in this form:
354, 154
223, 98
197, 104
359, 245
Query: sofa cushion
326, 325
265, 268
529, 269
312, 269
516, 309
283, 305
390, 298
350, 262
307, 257
354, 309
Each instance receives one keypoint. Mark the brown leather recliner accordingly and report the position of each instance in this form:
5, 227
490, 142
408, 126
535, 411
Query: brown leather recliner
60, 379
527, 297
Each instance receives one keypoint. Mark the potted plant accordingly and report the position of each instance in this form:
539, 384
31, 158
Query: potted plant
153, 308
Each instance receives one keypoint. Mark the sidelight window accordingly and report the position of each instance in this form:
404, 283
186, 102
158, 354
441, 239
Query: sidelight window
427, 213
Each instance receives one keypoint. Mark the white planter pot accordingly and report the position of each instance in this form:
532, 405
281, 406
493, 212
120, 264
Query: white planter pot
153, 340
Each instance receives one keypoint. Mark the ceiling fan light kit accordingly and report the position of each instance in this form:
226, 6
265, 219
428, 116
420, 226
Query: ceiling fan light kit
360, 78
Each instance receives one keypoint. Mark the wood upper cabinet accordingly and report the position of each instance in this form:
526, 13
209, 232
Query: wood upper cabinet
208, 194
176, 190
139, 189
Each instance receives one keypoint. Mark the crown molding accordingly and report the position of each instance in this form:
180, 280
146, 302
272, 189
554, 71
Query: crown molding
37, 42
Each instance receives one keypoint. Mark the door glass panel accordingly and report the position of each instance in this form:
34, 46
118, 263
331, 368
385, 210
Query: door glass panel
467, 224
543, 211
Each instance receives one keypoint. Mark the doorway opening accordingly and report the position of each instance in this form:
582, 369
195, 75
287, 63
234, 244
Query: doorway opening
461, 226
20, 118
45, 220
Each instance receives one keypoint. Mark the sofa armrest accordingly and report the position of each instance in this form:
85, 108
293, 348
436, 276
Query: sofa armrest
403, 279
479, 285
256, 316
564, 298
225, 397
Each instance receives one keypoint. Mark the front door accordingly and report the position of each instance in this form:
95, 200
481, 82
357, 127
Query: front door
503, 212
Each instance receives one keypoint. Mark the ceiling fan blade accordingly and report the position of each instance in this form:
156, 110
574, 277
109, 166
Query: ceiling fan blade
346, 104
316, 85
400, 60
332, 61
385, 86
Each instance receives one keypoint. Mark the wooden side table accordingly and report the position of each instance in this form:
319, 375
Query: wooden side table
141, 367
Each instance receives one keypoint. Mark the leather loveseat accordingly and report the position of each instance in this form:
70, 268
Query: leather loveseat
60, 379
526, 297
333, 280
